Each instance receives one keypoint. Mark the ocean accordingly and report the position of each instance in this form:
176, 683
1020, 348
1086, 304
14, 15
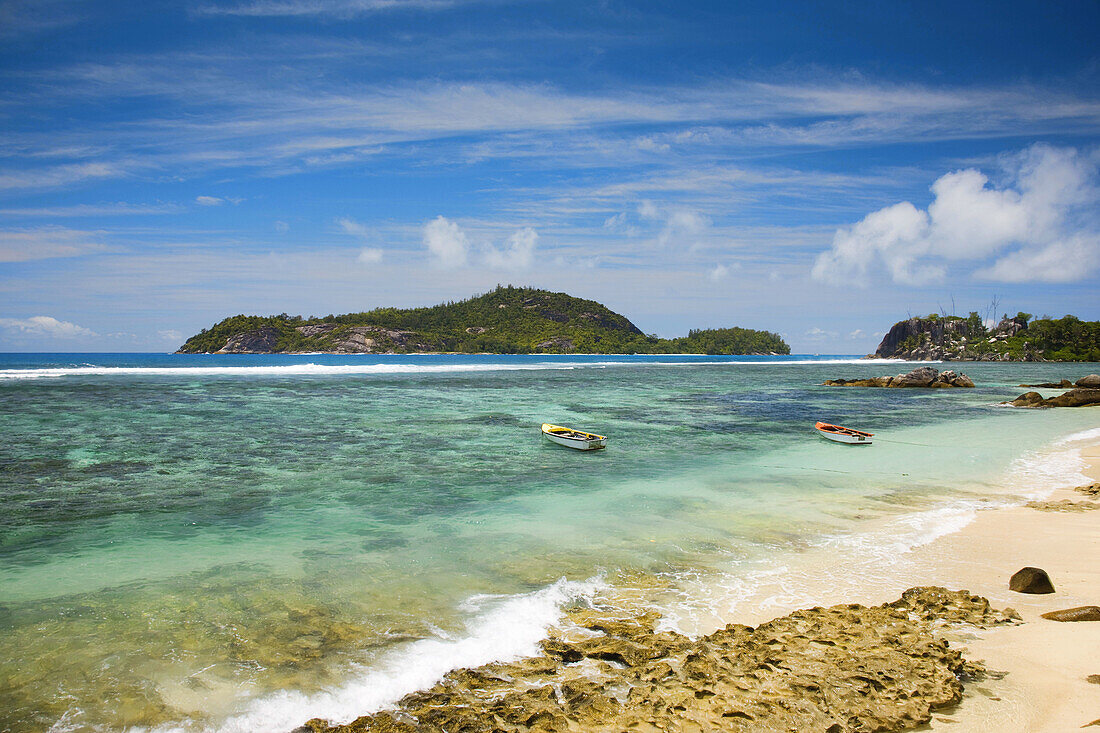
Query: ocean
241, 543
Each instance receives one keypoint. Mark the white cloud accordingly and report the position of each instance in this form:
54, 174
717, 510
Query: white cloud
446, 242
170, 334
857, 334
519, 254
1046, 211
46, 326
369, 256
209, 201
282, 227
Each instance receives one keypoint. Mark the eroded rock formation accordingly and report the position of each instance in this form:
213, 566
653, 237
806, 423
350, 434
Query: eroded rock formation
844, 668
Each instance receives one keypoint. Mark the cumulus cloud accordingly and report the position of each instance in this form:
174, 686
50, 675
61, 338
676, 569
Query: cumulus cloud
720, 271
209, 201
819, 334
46, 326
1040, 225
857, 334
518, 253
367, 255
370, 256
170, 334
446, 242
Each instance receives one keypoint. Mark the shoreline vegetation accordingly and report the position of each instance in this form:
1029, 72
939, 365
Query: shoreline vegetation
507, 320
947, 660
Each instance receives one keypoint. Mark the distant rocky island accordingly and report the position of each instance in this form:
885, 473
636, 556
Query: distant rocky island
954, 338
507, 320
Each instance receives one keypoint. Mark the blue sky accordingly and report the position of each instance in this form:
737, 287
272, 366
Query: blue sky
817, 169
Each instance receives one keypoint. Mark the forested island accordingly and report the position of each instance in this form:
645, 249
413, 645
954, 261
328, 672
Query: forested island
1019, 338
507, 320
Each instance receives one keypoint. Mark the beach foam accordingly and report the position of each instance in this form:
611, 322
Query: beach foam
311, 369
504, 628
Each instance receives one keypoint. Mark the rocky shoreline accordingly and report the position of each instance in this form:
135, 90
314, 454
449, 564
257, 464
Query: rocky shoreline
845, 668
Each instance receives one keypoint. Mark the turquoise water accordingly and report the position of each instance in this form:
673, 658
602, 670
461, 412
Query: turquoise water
204, 542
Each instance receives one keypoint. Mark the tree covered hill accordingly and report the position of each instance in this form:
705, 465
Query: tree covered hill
506, 320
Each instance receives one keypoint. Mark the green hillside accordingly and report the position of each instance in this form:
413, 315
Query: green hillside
506, 320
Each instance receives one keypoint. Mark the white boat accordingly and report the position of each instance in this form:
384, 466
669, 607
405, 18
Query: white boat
577, 439
839, 434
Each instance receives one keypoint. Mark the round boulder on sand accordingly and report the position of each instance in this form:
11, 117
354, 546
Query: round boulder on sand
1031, 580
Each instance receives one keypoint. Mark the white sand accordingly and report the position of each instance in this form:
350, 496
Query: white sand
1045, 662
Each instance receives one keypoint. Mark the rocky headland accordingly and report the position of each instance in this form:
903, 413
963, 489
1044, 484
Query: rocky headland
844, 668
919, 378
954, 338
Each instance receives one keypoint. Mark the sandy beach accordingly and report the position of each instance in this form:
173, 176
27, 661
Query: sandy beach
1045, 664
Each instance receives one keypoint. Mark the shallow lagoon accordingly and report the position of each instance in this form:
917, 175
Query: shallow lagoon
185, 539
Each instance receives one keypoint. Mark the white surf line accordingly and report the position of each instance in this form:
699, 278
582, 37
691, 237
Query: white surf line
311, 369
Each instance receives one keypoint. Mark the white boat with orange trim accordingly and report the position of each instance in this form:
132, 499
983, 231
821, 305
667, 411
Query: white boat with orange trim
839, 434
576, 439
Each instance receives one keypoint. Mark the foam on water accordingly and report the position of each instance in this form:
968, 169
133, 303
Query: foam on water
503, 629
311, 369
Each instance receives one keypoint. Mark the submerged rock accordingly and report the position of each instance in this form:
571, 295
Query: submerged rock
1092, 489
844, 668
1031, 580
922, 377
1065, 505
1080, 613
1077, 397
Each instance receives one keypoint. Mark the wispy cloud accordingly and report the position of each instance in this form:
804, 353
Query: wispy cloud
59, 176
80, 210
334, 8
24, 245
214, 112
